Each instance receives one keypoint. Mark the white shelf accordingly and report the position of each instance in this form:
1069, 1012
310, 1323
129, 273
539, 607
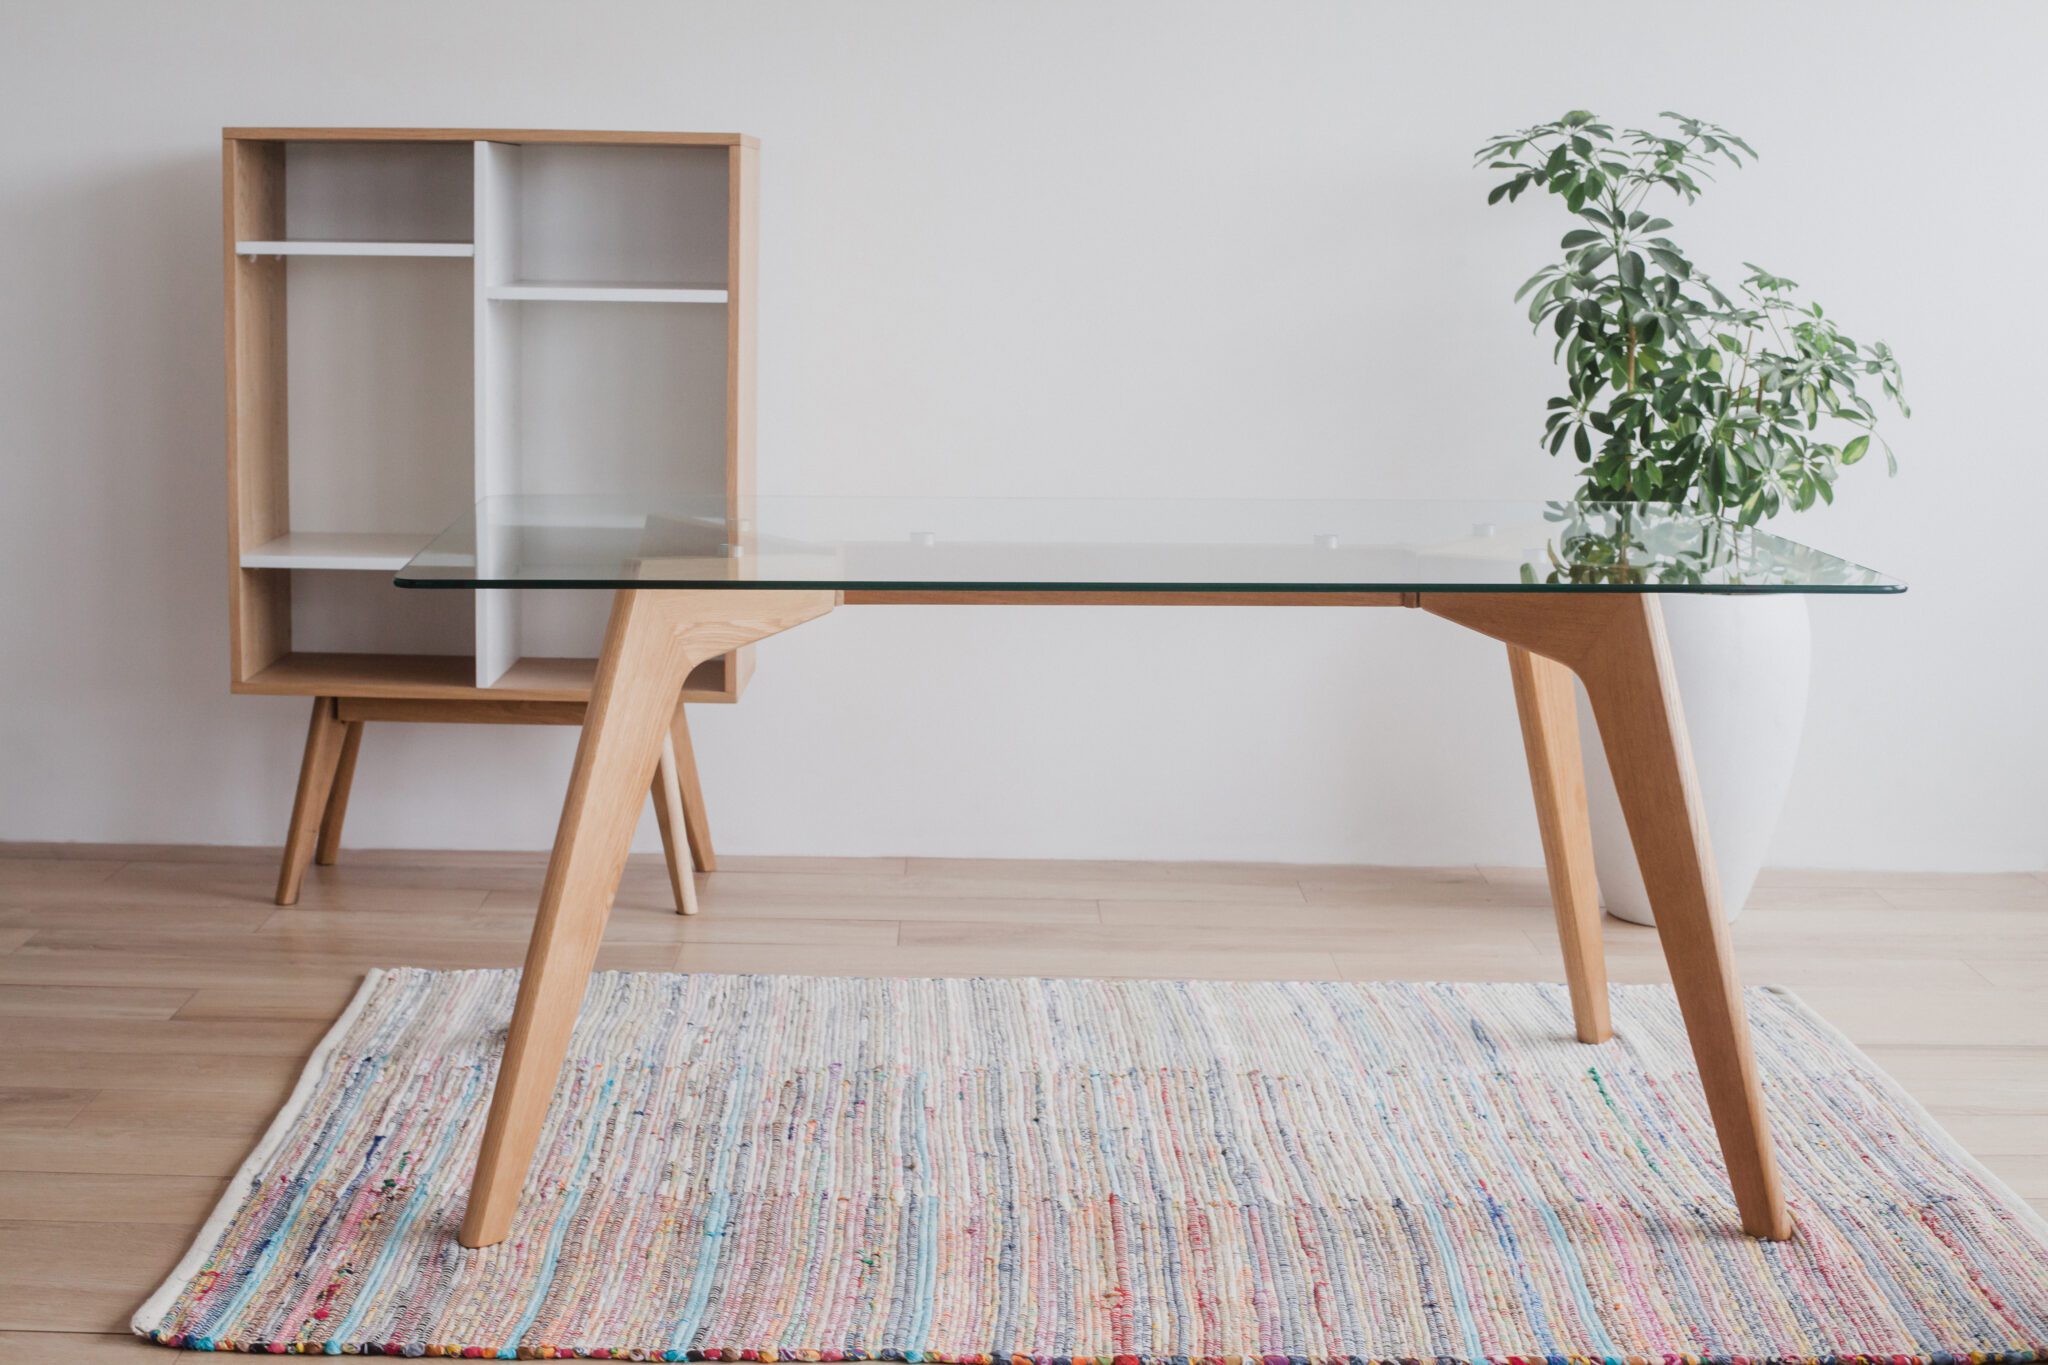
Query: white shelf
296, 247
337, 550
523, 291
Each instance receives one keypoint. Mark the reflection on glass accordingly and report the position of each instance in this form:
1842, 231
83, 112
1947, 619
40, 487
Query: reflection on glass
1637, 544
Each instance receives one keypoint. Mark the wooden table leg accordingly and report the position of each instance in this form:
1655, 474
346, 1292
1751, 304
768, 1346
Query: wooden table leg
329, 846
696, 823
316, 776
1544, 696
1615, 643
654, 639
668, 815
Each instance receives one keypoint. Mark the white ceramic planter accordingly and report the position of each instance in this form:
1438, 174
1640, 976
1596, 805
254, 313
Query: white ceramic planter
1743, 664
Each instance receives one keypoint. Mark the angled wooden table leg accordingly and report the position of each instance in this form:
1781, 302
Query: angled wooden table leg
329, 847
668, 815
654, 639
1615, 643
696, 822
1550, 732
316, 777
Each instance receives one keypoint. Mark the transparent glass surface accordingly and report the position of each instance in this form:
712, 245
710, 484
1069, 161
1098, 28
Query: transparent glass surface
1249, 545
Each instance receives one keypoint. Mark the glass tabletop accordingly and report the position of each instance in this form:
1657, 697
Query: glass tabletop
1127, 545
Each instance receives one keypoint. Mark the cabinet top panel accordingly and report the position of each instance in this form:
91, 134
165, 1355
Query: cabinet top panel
487, 135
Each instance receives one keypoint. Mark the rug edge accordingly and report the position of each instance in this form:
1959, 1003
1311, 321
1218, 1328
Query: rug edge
2022, 1212
153, 1309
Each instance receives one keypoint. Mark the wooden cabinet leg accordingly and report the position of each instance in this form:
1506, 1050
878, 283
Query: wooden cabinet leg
1615, 643
329, 846
316, 776
668, 814
1550, 734
654, 639
696, 824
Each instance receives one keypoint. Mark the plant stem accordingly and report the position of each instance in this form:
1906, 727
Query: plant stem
1620, 233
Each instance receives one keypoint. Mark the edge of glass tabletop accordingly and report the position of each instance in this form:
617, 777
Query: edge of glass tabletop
1125, 546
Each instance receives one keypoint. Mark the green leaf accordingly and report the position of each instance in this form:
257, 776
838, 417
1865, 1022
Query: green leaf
1539, 277
1672, 262
1855, 450
1578, 237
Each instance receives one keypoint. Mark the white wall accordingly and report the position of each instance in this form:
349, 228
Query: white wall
1058, 248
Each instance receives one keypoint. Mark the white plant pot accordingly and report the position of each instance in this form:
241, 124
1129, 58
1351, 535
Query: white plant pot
1743, 664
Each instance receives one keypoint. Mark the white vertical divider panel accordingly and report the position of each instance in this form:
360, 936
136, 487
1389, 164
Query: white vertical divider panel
497, 372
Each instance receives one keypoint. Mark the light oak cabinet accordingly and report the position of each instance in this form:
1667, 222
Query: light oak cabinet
421, 317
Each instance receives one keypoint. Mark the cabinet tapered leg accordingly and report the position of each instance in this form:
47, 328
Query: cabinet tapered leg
668, 814
1544, 696
1615, 643
329, 846
696, 823
654, 639
316, 777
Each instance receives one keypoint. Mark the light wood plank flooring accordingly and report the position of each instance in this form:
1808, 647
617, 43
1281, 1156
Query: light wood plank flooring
155, 1006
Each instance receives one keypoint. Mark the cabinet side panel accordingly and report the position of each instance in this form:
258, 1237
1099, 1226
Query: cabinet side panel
742, 207
497, 370
742, 203
259, 600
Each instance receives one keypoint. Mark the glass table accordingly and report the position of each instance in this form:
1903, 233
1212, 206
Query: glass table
1570, 589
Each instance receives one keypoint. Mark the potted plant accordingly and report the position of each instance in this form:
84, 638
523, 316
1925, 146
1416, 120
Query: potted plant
1743, 405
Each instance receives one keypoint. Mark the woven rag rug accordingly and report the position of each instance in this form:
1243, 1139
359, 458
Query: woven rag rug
1027, 1172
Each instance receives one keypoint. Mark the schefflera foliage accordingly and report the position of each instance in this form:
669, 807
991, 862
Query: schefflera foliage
1679, 393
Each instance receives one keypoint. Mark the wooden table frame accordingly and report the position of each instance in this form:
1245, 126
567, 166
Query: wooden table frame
1613, 641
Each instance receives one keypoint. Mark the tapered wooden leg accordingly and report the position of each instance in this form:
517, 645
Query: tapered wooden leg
668, 814
316, 776
696, 824
1615, 643
1635, 701
329, 846
1550, 734
654, 639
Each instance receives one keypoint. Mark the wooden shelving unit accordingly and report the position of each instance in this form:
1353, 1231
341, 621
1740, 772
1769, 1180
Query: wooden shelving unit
418, 318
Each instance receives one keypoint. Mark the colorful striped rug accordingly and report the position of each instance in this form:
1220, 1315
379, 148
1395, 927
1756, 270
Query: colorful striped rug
1101, 1173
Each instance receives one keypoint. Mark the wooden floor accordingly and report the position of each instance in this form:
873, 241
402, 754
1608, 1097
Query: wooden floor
155, 1006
